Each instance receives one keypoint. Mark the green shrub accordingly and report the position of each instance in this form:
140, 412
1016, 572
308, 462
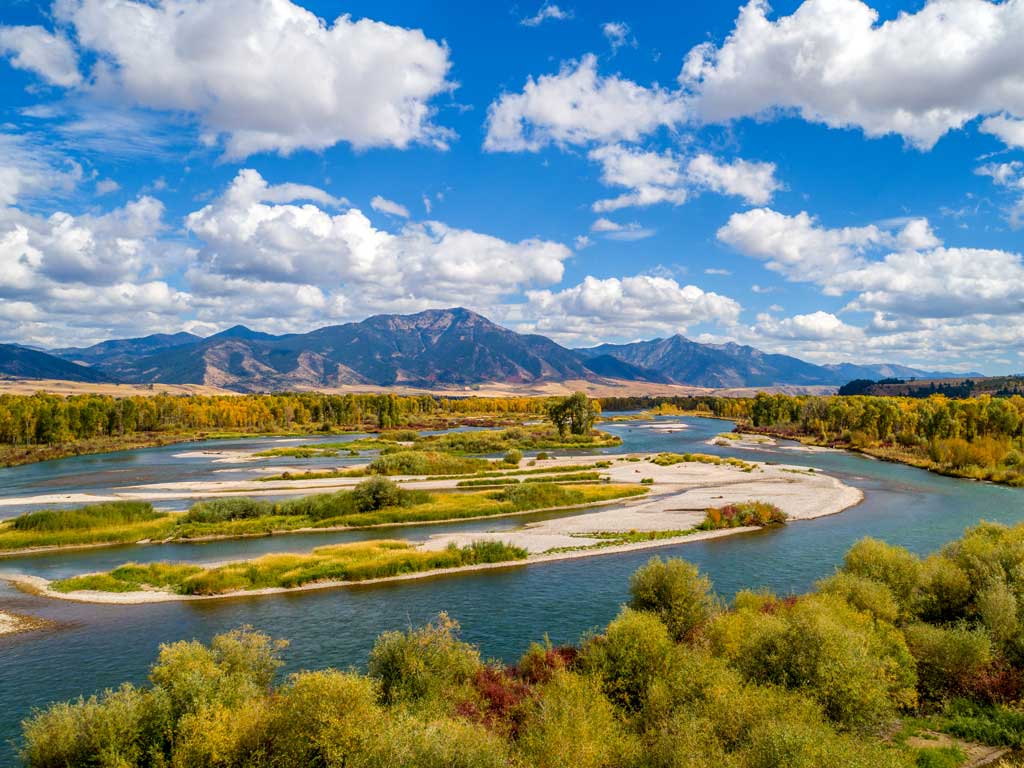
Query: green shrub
984, 723
893, 566
425, 463
422, 663
222, 510
571, 724
540, 494
634, 652
858, 668
863, 594
675, 591
513, 456
948, 658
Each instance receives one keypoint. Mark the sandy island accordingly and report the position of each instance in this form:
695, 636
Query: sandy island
678, 497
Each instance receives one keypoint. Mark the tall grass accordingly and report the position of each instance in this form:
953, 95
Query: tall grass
668, 459
425, 463
87, 517
341, 562
107, 523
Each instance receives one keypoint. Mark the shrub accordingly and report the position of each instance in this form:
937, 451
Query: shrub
513, 456
948, 658
376, 493
945, 590
634, 652
425, 463
675, 591
858, 668
542, 455
222, 510
541, 494
747, 513
863, 594
895, 567
421, 663
573, 725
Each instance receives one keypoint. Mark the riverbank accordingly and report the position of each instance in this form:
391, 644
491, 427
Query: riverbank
678, 496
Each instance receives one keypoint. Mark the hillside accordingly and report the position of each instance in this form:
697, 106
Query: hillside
22, 362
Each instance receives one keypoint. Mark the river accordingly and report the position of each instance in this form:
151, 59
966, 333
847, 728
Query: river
99, 646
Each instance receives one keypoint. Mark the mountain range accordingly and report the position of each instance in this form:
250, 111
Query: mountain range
435, 348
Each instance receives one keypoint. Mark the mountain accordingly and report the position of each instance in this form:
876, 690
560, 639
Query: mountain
119, 350
435, 347
25, 363
681, 361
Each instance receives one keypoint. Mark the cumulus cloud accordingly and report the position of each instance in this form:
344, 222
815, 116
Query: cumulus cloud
384, 205
753, 181
665, 177
34, 49
1009, 130
243, 68
613, 230
256, 232
906, 271
67, 277
1009, 176
919, 75
547, 11
577, 106
626, 307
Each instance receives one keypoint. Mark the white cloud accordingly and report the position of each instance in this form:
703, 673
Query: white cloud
1009, 130
547, 11
582, 241
626, 307
253, 232
918, 75
29, 167
753, 181
267, 75
613, 230
577, 106
384, 205
617, 33
664, 177
921, 278
716, 271
818, 325
1010, 176
50, 56
106, 186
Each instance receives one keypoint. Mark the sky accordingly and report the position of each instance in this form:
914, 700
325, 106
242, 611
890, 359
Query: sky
831, 179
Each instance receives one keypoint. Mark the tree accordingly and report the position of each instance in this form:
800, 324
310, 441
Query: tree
575, 414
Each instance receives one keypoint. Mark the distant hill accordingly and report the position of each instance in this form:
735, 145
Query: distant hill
682, 361
25, 363
111, 352
954, 387
443, 348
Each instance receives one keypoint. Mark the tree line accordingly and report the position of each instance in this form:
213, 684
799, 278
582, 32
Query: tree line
44, 419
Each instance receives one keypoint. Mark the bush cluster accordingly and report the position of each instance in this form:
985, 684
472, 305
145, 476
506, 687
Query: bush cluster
676, 680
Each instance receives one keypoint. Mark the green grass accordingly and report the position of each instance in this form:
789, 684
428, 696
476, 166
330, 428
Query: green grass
576, 477
517, 438
618, 538
330, 474
342, 562
668, 459
110, 522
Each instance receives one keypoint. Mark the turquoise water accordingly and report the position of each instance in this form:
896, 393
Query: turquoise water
502, 611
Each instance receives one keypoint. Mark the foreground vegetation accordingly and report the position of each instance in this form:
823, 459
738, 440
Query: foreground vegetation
342, 562
375, 501
677, 680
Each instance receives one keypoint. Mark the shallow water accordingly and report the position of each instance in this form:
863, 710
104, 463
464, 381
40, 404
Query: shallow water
99, 646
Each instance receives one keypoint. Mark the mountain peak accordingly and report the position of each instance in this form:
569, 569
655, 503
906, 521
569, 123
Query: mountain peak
240, 332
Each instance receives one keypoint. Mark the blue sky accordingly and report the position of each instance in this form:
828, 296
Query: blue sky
831, 179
